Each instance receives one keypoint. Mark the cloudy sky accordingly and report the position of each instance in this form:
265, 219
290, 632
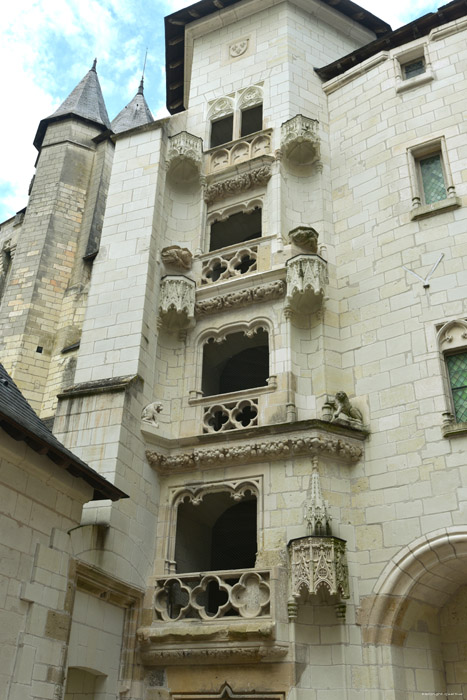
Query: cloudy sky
46, 46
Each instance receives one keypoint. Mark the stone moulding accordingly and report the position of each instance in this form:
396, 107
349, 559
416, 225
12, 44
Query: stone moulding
266, 450
307, 276
152, 654
184, 156
239, 183
243, 297
300, 141
177, 301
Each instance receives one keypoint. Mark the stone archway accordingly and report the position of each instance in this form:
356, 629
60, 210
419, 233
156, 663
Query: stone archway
418, 603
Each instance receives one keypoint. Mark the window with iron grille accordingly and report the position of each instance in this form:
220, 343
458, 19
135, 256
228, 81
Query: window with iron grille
432, 178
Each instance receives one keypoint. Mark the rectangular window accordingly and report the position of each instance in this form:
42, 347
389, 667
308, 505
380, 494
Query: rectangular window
432, 177
252, 120
238, 228
222, 131
457, 371
413, 68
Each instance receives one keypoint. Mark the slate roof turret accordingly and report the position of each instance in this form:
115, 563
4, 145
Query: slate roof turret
136, 113
86, 102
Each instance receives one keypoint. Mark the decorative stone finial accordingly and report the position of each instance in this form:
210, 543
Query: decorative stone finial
94, 64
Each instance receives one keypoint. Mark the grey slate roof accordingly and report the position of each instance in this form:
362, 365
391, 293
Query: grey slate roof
21, 422
85, 101
136, 113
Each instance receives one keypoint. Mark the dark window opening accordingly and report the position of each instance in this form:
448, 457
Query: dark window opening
236, 364
216, 535
238, 228
222, 131
413, 68
252, 120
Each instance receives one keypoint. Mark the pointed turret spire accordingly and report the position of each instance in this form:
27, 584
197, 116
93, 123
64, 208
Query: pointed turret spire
136, 113
85, 101
317, 513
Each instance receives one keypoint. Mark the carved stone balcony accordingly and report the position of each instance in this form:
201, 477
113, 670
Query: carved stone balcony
300, 141
306, 282
239, 151
211, 615
317, 562
177, 302
184, 157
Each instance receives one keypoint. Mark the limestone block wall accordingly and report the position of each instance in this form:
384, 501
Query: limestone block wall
40, 504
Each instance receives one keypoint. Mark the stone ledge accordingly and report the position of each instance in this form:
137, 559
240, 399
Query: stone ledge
100, 386
454, 429
416, 81
435, 208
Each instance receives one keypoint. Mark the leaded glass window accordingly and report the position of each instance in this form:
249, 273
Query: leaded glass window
410, 70
434, 186
457, 369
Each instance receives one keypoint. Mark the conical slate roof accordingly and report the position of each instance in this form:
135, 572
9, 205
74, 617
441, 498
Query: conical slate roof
85, 101
136, 113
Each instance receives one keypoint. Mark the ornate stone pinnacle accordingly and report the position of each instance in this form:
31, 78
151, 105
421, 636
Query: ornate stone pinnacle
317, 514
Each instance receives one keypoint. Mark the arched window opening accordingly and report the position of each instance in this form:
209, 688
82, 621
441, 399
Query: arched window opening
216, 534
252, 120
221, 131
238, 228
238, 363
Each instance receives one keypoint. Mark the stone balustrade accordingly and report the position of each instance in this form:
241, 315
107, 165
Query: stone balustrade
306, 282
213, 595
222, 266
238, 151
300, 141
231, 415
176, 301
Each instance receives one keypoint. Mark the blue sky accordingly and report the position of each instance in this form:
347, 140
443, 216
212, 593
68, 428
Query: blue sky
46, 46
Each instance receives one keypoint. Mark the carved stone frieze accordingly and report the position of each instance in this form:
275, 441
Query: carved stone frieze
243, 297
267, 450
307, 276
184, 156
300, 141
177, 257
177, 301
239, 183
244, 651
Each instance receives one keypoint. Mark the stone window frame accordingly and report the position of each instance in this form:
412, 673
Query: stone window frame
234, 103
226, 693
222, 213
416, 153
451, 340
195, 492
402, 58
219, 334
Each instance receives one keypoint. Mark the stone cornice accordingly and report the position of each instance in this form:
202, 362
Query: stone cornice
100, 386
321, 438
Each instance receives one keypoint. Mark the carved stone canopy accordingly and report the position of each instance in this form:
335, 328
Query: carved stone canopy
184, 157
176, 301
306, 282
300, 141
